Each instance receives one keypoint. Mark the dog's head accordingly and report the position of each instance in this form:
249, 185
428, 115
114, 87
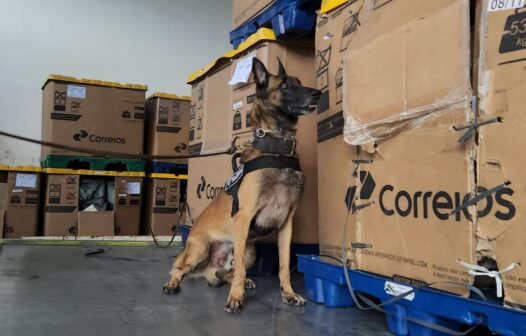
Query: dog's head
283, 92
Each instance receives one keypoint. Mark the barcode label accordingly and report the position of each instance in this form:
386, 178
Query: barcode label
497, 5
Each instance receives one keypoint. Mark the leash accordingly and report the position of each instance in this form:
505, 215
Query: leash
231, 150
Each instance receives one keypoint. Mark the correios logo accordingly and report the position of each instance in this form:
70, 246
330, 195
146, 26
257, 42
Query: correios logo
395, 201
82, 134
209, 191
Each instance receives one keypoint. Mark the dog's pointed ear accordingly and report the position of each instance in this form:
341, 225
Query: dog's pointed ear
260, 73
281, 72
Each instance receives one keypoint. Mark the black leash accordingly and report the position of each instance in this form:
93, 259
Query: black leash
103, 153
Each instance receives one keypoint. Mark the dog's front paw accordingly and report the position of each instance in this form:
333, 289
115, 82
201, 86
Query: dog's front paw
292, 299
234, 305
249, 284
171, 288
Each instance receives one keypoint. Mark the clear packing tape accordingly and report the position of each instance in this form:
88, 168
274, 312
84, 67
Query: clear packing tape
359, 133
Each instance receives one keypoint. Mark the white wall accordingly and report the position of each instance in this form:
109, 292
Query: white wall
153, 42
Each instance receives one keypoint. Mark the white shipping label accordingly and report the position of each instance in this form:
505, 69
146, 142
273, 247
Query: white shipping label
26, 180
237, 105
75, 91
134, 188
498, 5
396, 289
243, 70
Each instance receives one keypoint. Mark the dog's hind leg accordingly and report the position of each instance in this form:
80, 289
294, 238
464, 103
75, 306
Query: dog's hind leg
288, 295
196, 251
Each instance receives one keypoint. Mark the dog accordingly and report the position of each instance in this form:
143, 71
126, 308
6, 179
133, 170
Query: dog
220, 245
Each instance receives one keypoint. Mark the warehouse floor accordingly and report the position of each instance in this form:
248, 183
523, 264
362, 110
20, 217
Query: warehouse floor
57, 290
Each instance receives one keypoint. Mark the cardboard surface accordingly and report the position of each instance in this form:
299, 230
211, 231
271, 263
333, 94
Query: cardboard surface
418, 52
501, 94
334, 31
210, 111
244, 10
167, 125
21, 198
61, 208
405, 85
163, 205
98, 224
61, 205
101, 118
334, 183
2, 219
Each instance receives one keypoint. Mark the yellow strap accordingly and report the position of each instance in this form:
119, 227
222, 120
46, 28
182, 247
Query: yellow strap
66, 171
263, 34
95, 82
21, 168
168, 176
328, 5
169, 96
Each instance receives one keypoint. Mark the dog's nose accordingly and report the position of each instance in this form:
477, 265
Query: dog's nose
316, 94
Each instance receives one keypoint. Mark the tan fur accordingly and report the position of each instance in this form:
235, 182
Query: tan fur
268, 196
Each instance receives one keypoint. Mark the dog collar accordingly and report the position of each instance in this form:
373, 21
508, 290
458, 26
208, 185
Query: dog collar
268, 144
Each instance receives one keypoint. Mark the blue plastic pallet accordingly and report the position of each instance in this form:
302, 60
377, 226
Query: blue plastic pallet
325, 283
288, 19
267, 259
168, 168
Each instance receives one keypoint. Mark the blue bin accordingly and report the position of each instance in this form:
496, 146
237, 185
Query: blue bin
288, 19
325, 283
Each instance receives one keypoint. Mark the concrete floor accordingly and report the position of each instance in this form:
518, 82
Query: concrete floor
56, 290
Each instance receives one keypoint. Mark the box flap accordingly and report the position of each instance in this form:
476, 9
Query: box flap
98, 223
69, 79
410, 60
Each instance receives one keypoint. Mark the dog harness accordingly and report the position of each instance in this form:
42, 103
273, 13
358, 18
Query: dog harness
262, 162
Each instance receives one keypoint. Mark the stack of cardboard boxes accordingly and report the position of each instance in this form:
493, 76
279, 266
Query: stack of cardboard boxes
167, 129
80, 197
221, 112
427, 95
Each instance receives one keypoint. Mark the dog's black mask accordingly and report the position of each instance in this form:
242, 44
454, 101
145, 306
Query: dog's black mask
283, 92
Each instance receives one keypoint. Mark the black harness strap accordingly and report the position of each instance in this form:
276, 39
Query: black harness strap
277, 162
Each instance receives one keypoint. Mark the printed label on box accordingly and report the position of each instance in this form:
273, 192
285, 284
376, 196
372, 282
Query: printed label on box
26, 180
498, 5
395, 289
75, 91
134, 188
243, 70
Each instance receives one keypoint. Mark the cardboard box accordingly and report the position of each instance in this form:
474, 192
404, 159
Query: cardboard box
163, 205
62, 211
2, 218
210, 110
335, 29
167, 125
244, 10
20, 198
92, 114
501, 86
406, 84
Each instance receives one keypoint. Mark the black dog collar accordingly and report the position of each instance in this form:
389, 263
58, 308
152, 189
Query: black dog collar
273, 145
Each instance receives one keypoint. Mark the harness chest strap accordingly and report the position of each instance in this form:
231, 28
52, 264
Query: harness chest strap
277, 162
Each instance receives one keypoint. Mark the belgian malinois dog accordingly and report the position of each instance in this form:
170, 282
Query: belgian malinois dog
220, 244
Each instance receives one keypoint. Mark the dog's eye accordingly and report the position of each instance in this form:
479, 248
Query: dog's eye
284, 85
